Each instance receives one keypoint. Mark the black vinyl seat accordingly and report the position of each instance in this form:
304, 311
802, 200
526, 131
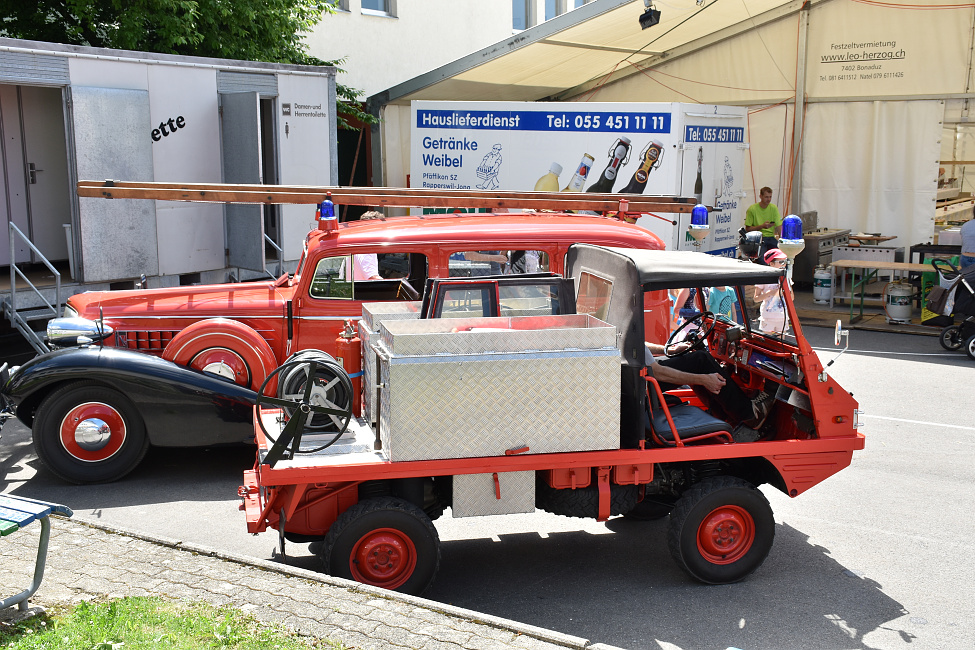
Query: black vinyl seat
692, 423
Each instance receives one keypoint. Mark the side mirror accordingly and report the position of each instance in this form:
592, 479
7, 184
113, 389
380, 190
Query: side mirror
838, 335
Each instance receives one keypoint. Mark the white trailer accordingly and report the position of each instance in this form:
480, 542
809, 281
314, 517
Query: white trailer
72, 112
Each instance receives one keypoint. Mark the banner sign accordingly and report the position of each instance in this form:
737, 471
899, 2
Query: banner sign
652, 148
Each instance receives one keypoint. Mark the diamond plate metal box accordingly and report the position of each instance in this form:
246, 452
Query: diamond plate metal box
476, 495
462, 388
372, 315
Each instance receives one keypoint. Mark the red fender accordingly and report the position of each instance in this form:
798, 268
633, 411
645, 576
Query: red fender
226, 344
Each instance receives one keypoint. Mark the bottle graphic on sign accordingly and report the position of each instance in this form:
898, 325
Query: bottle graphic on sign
582, 172
550, 181
699, 182
619, 153
652, 156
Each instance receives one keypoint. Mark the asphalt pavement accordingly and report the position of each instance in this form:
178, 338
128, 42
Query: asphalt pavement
872, 559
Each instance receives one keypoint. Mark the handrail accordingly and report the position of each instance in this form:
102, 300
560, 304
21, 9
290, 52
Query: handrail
14, 272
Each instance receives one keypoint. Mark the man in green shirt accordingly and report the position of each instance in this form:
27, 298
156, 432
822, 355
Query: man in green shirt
765, 216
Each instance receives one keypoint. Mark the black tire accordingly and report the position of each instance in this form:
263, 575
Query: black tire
396, 533
970, 347
584, 502
650, 509
721, 530
950, 338
83, 454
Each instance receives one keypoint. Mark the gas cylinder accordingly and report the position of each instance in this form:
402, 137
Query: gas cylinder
897, 302
348, 348
822, 285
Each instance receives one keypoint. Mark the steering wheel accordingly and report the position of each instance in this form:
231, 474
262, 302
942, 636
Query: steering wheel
300, 408
695, 338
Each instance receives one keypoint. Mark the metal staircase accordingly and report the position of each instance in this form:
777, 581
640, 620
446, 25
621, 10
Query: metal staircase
20, 318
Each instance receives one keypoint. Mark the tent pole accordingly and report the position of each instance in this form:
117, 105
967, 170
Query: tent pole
795, 200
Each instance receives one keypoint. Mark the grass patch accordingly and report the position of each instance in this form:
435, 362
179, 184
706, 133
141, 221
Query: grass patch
130, 623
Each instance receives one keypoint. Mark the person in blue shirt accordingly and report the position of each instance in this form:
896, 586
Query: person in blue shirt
722, 302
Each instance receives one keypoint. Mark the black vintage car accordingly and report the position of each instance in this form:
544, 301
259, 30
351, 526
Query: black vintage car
95, 410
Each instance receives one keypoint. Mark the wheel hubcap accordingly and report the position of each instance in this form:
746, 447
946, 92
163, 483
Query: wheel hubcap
223, 363
726, 534
385, 558
92, 432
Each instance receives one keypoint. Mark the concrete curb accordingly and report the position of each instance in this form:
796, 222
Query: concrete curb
542, 634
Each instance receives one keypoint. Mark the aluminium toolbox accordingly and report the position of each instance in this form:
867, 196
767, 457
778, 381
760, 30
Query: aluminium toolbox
373, 314
469, 387
501, 493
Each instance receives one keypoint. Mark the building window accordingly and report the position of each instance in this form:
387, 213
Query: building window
578, 3
381, 7
521, 14
554, 8
340, 5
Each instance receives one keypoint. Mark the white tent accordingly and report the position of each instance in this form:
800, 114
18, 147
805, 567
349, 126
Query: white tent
883, 92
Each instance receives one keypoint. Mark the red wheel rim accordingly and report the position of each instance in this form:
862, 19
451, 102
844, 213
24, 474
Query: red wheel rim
384, 557
92, 432
726, 534
223, 362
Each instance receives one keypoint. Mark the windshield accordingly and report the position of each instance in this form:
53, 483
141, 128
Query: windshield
760, 306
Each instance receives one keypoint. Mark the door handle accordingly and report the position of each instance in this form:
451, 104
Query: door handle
32, 173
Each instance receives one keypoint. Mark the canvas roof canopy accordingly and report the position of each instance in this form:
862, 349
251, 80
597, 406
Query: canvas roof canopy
596, 43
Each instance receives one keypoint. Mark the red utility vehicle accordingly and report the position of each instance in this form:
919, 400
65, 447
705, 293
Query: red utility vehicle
242, 331
495, 415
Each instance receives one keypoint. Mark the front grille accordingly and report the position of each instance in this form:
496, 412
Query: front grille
146, 341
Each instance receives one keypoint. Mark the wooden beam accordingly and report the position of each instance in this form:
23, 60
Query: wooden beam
384, 197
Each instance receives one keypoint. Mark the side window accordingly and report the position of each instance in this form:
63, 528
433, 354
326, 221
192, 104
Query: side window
330, 280
467, 264
374, 276
463, 302
528, 300
393, 265
528, 262
594, 295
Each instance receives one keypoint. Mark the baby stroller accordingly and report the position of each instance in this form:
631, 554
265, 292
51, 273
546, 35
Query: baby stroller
958, 300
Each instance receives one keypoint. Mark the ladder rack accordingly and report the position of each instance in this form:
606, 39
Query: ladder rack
385, 197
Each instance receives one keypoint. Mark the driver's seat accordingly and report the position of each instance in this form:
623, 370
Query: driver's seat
673, 423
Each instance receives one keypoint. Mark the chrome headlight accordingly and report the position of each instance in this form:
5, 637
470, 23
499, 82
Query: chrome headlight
64, 332
69, 312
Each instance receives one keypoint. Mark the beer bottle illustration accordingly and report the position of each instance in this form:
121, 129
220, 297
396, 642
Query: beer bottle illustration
619, 153
699, 182
550, 181
579, 178
652, 156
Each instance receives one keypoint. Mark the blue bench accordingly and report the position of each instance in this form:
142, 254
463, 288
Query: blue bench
15, 513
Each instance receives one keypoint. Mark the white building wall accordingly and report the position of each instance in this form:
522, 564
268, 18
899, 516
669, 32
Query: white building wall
381, 51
